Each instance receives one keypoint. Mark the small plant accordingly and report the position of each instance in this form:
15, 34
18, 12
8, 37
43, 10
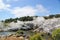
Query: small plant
19, 32
56, 34
36, 37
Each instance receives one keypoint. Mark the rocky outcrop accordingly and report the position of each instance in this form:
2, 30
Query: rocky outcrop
37, 24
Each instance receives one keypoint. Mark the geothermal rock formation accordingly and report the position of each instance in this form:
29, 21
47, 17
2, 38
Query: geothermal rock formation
39, 23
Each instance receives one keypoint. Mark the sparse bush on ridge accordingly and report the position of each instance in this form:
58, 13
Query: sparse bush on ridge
26, 18
52, 16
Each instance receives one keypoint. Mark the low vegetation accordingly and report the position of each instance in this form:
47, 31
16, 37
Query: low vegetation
52, 16
26, 18
56, 34
36, 37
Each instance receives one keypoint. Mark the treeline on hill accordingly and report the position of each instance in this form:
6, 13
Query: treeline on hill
25, 18
52, 16
30, 18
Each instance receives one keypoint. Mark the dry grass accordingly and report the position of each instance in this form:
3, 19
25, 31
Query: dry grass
12, 38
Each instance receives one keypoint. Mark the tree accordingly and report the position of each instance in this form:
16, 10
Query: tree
26, 18
8, 20
57, 15
51, 16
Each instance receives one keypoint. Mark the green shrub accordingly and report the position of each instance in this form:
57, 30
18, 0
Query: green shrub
56, 34
19, 32
36, 37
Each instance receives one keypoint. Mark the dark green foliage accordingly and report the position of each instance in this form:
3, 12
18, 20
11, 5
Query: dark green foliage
46, 17
20, 32
49, 17
8, 20
57, 37
26, 18
52, 16
57, 15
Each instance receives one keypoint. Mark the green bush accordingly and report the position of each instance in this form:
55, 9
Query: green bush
56, 34
36, 37
19, 32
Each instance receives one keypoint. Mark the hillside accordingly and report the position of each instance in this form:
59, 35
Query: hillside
47, 23
29, 25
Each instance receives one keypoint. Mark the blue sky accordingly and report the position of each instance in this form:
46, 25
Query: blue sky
19, 8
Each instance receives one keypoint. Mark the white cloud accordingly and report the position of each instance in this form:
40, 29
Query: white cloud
3, 5
24, 11
8, 6
28, 10
41, 9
